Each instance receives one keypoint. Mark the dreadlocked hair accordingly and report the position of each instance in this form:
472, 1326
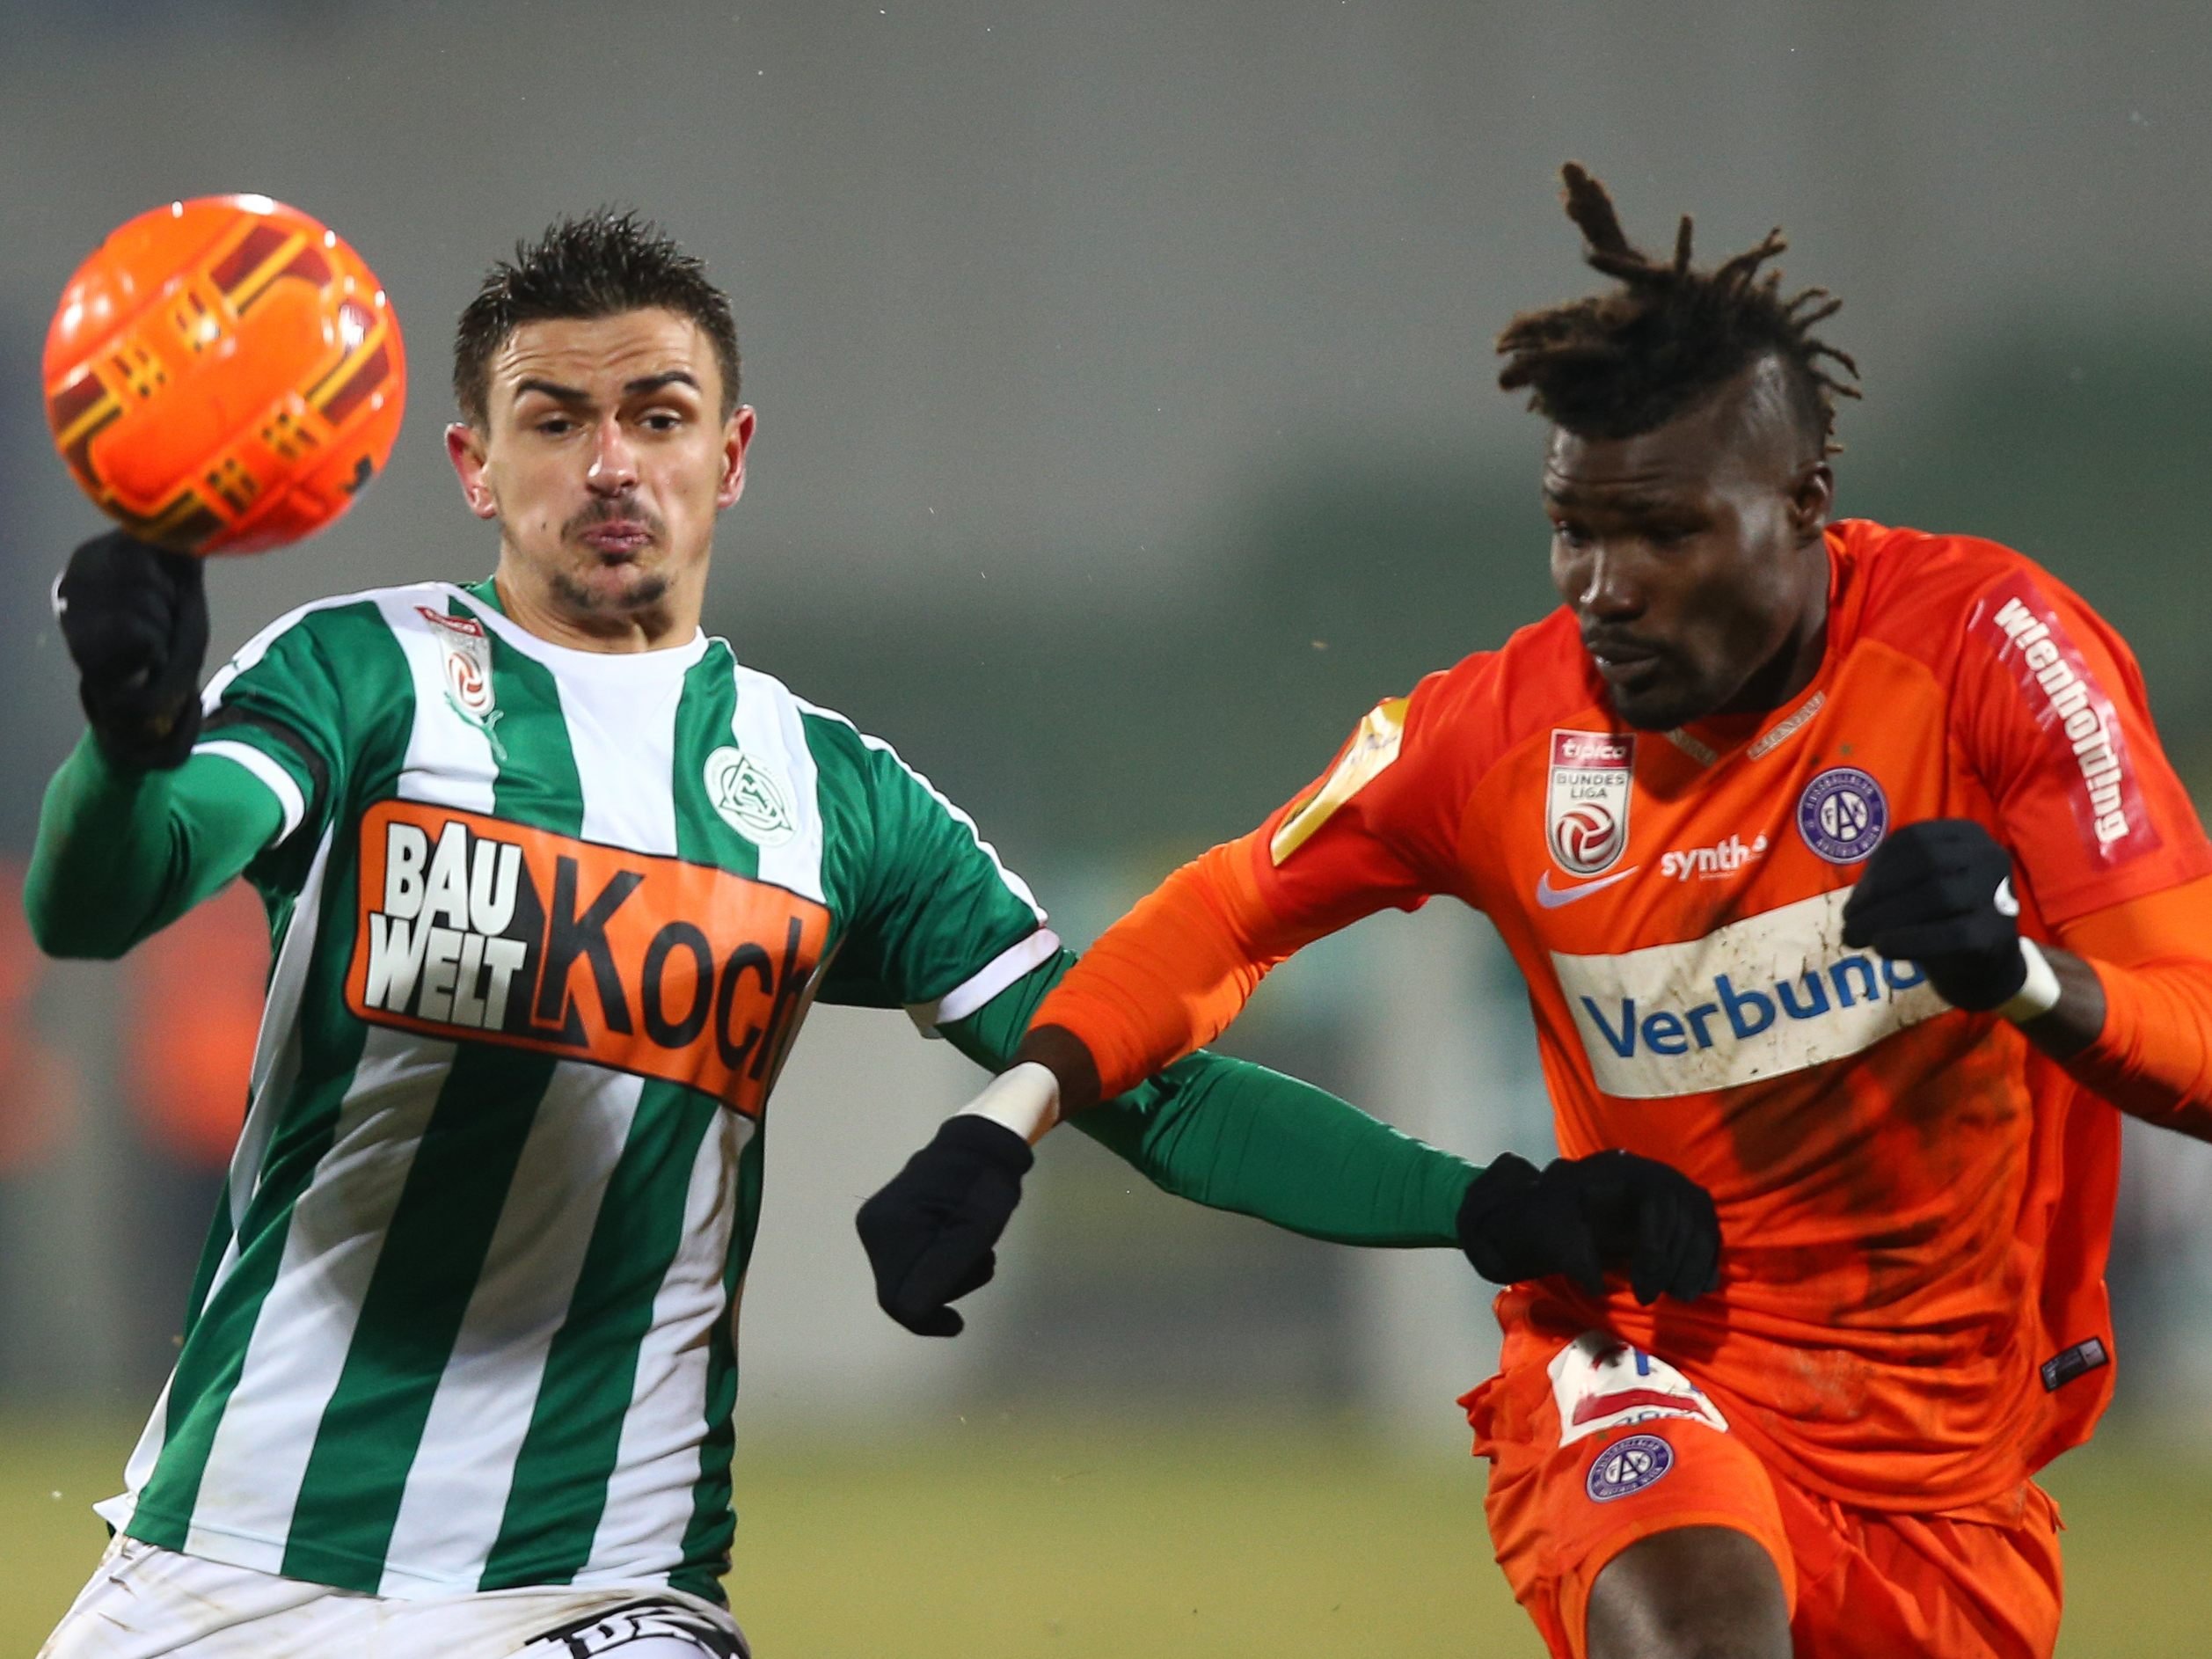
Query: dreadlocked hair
1615, 365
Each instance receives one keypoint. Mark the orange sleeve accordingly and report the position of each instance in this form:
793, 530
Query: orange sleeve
2050, 708
1170, 976
2153, 955
1377, 829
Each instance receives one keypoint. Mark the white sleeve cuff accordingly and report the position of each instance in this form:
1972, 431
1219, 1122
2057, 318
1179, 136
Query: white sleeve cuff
1025, 1099
986, 982
2038, 993
278, 780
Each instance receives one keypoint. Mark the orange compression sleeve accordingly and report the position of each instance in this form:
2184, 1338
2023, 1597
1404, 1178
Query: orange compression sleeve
1171, 975
2153, 955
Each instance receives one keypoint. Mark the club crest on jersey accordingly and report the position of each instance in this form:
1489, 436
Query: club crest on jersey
466, 671
1843, 814
1585, 807
1628, 1466
749, 799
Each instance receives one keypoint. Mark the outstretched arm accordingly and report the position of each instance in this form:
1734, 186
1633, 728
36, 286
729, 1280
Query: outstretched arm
121, 854
1238, 1136
1122, 1026
145, 818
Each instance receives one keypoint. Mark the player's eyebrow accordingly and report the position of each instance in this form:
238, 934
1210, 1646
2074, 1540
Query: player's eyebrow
1631, 496
552, 389
653, 383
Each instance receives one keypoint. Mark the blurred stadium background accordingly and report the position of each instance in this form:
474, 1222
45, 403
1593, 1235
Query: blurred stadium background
1127, 426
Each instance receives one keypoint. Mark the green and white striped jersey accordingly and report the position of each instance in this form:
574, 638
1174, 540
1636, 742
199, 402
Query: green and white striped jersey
546, 924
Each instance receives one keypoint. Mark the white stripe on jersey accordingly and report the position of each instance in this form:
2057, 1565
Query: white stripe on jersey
768, 728
276, 1046
273, 777
649, 1498
456, 1490
275, 1067
305, 1325
449, 760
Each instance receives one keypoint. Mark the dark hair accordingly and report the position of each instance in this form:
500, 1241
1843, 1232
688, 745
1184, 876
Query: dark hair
1613, 365
597, 266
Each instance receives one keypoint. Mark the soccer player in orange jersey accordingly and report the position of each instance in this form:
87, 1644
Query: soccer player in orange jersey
1849, 880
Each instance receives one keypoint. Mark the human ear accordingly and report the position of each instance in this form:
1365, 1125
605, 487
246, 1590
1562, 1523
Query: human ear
464, 448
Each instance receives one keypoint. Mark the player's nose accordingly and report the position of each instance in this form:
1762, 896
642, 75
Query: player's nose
1608, 587
614, 463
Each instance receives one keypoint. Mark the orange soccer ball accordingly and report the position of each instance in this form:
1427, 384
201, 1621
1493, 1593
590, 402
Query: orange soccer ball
223, 375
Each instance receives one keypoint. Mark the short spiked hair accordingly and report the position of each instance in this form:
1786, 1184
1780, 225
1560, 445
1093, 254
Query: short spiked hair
602, 264
1615, 365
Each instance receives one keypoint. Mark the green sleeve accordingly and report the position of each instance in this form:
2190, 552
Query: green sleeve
1234, 1136
120, 855
939, 924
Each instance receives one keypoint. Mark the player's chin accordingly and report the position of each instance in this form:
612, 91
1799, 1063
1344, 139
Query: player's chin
1658, 704
617, 585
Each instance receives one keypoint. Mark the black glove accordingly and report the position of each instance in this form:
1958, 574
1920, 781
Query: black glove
1580, 1215
135, 620
929, 1233
1939, 892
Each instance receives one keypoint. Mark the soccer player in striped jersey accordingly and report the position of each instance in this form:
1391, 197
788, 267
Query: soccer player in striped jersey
553, 878
1849, 879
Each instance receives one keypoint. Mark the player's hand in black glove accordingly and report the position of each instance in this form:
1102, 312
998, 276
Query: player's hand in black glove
930, 1233
135, 620
1939, 892
1580, 1215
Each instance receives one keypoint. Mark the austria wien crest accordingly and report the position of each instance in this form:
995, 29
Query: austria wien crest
1586, 807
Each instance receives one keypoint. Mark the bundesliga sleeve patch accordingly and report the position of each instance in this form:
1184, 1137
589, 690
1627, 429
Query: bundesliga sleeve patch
472, 928
1371, 751
2072, 710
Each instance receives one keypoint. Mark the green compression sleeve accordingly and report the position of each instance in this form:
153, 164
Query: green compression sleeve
121, 854
1238, 1136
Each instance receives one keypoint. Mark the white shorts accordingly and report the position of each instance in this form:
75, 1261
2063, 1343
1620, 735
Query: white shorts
148, 1603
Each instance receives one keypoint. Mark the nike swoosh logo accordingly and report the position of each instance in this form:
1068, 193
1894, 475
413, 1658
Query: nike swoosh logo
1551, 897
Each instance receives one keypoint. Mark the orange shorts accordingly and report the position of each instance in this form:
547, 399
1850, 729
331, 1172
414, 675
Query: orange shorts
1594, 1445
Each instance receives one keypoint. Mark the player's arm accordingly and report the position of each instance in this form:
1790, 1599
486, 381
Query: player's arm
1172, 974
2050, 710
2149, 961
157, 808
944, 929
1240, 1138
121, 854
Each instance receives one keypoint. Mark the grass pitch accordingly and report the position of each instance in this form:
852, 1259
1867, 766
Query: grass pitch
1081, 1540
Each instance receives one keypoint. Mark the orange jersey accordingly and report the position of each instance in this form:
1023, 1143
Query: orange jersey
1914, 1201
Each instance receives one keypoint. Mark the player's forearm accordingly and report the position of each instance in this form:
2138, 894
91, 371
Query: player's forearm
1165, 979
121, 854
1237, 1137
2073, 1022
2151, 1054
